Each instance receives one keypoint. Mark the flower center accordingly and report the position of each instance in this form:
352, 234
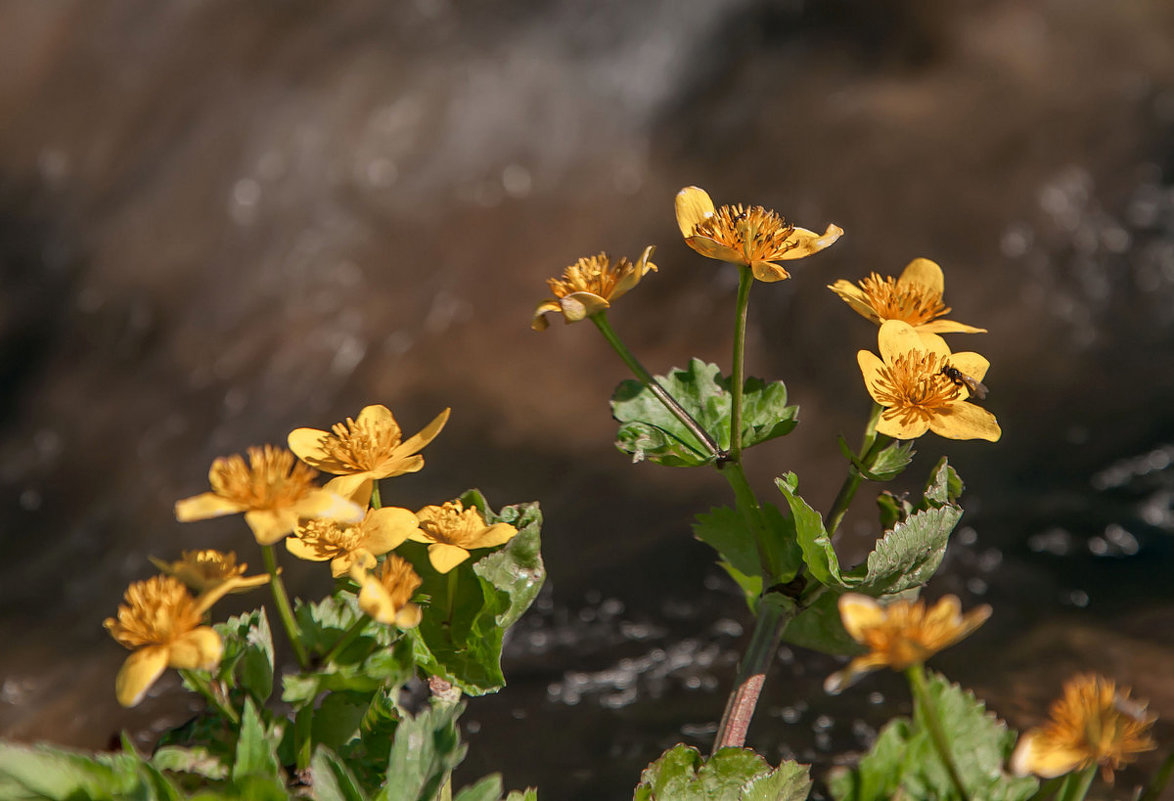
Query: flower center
912, 303
209, 565
327, 538
451, 524
157, 611
362, 444
594, 274
913, 387
271, 479
399, 579
757, 233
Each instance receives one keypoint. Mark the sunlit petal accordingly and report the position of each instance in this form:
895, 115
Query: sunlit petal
140, 670
693, 206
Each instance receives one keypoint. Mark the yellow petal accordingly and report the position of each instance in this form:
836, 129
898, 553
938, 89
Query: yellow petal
327, 505
854, 296
641, 268
949, 327
859, 612
386, 528
843, 679
210, 596
445, 557
926, 274
715, 250
1037, 754
539, 321
356, 488
139, 672
423, 437
965, 421
768, 272
932, 343
870, 367
204, 506
198, 649
972, 364
808, 242
579, 305
306, 444
302, 550
897, 337
947, 611
693, 207
409, 617
270, 526
497, 534
892, 426
347, 562
375, 600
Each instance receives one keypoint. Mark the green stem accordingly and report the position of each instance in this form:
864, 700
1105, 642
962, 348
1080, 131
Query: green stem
215, 698
376, 500
1047, 789
745, 281
929, 713
1076, 787
283, 608
647, 379
871, 443
773, 614
1160, 780
346, 639
303, 741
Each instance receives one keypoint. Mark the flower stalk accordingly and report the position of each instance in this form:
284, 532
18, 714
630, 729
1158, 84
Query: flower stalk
346, 639
929, 713
284, 610
745, 281
872, 443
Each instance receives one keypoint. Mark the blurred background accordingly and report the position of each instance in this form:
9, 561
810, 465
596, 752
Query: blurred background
222, 220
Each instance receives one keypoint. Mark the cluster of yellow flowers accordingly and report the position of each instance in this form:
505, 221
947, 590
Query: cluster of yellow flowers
343, 522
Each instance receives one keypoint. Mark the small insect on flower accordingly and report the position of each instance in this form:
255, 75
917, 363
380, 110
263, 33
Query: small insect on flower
977, 389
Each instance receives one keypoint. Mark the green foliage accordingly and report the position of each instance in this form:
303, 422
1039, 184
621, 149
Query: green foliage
732, 774
883, 465
460, 638
255, 749
650, 431
426, 748
904, 756
333, 780
248, 654
43, 773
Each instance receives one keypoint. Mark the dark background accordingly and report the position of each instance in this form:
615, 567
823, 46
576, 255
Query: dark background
223, 220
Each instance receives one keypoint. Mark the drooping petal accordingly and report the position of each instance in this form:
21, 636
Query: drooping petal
417, 441
1038, 754
326, 505
580, 305
858, 613
927, 274
896, 426
375, 600
445, 557
396, 466
805, 242
539, 322
632, 277
497, 534
269, 525
715, 250
139, 672
870, 367
409, 617
855, 297
970, 363
693, 206
204, 506
198, 649
386, 528
356, 488
949, 327
306, 444
843, 679
768, 272
965, 421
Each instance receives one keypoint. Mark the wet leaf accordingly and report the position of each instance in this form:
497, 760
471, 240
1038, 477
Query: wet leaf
732, 774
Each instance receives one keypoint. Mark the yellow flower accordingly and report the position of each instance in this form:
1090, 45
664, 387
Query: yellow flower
364, 450
1094, 723
272, 490
912, 381
160, 621
453, 531
901, 634
376, 534
914, 298
753, 237
202, 571
387, 598
589, 286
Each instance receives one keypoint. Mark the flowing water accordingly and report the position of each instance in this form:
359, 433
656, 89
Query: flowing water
222, 221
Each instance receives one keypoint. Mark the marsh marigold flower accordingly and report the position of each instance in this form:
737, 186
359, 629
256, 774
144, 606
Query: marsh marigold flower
208, 569
161, 623
364, 450
754, 237
912, 381
1094, 723
387, 597
347, 545
589, 286
901, 634
452, 531
271, 489
914, 298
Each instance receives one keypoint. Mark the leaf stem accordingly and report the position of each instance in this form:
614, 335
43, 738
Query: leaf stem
1077, 784
872, 442
929, 713
283, 608
217, 699
1160, 780
346, 639
647, 379
745, 281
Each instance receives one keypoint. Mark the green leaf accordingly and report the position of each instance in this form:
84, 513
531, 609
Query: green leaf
529, 794
816, 546
732, 774
517, 567
890, 461
892, 509
426, 748
724, 529
333, 780
820, 628
944, 486
388, 665
44, 773
650, 431
782, 544
196, 759
255, 750
878, 776
487, 789
751, 586
910, 554
248, 653
338, 717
